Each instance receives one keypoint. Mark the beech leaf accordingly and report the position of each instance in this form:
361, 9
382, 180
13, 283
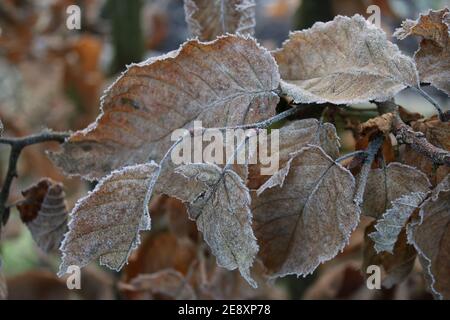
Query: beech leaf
433, 56
209, 19
390, 183
222, 213
430, 235
228, 82
307, 219
347, 60
394, 220
106, 223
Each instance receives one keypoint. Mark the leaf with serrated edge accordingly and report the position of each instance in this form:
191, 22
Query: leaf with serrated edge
309, 218
394, 219
222, 213
390, 183
347, 60
430, 235
227, 82
433, 56
106, 223
50, 224
208, 19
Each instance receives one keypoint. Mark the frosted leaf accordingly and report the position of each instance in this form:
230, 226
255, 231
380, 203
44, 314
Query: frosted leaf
50, 224
394, 219
3, 286
433, 56
430, 235
208, 19
308, 219
347, 60
106, 223
228, 82
164, 284
387, 184
222, 213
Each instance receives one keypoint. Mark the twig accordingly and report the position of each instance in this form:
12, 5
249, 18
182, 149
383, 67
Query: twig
371, 152
361, 153
418, 142
17, 145
441, 114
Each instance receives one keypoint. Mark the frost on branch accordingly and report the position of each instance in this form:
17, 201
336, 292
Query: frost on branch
433, 56
106, 223
430, 235
394, 220
347, 60
209, 19
45, 214
387, 184
222, 213
307, 217
228, 82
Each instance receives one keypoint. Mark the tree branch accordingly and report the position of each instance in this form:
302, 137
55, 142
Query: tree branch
17, 145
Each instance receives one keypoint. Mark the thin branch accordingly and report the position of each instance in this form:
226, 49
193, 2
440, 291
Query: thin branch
371, 152
361, 153
436, 105
17, 145
418, 142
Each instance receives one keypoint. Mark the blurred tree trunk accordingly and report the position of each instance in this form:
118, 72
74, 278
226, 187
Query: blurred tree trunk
127, 36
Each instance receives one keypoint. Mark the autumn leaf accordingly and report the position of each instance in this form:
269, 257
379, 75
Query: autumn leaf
430, 235
433, 56
34, 196
164, 284
209, 19
106, 223
228, 82
389, 226
222, 213
387, 184
347, 60
396, 266
306, 217
50, 224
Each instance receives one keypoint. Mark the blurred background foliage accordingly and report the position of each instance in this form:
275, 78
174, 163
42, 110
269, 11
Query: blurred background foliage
54, 77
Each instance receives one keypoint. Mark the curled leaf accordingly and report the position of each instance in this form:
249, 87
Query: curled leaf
222, 213
227, 82
34, 196
347, 60
430, 235
387, 184
433, 56
106, 223
308, 218
209, 19
394, 220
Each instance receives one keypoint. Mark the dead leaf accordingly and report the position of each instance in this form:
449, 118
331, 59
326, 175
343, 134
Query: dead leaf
50, 224
387, 184
396, 266
430, 235
227, 82
305, 214
389, 226
162, 285
209, 19
347, 60
106, 223
34, 196
433, 56
222, 213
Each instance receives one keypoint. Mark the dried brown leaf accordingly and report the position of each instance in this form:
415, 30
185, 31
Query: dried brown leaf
387, 184
230, 81
307, 216
50, 225
209, 19
433, 56
430, 235
106, 223
164, 284
34, 196
222, 213
347, 60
